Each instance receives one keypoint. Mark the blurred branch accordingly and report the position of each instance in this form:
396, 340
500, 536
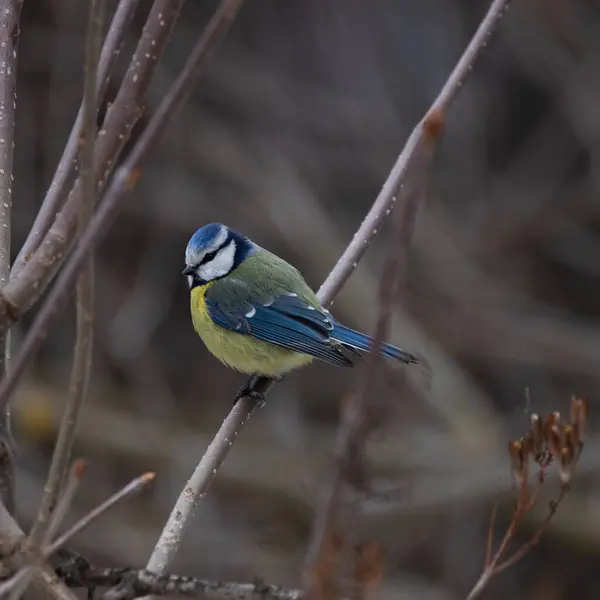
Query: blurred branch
82, 359
10, 13
63, 177
355, 424
426, 132
22, 291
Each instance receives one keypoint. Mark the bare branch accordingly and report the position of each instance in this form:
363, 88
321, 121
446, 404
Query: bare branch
22, 291
423, 136
10, 12
65, 172
127, 583
85, 286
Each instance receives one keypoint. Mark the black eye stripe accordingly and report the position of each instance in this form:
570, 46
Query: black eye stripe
208, 257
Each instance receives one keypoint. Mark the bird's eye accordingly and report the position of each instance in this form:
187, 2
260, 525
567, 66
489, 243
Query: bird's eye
208, 257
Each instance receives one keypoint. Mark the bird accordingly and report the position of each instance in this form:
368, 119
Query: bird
256, 314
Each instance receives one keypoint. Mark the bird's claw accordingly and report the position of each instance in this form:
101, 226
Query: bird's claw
247, 391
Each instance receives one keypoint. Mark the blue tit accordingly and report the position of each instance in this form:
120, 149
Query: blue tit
255, 313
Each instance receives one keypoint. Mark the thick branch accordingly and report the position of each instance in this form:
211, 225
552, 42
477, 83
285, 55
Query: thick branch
10, 12
128, 584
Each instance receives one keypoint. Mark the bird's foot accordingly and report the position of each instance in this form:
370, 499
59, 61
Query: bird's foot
248, 391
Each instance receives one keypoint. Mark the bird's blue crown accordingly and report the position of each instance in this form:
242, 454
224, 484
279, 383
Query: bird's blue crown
211, 238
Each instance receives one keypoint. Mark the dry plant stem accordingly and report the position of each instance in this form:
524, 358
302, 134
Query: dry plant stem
120, 118
10, 12
180, 517
85, 287
494, 566
23, 291
65, 172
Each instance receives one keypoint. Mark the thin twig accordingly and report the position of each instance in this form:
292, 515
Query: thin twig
65, 172
10, 12
22, 291
495, 567
490, 536
85, 287
65, 502
429, 127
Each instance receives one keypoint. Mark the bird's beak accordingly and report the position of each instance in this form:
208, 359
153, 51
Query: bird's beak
188, 270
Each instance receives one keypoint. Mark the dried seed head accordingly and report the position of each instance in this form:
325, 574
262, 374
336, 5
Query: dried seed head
537, 434
579, 417
567, 462
554, 440
527, 444
518, 458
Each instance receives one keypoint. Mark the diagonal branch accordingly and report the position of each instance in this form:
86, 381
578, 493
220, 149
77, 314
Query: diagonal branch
24, 290
65, 172
424, 135
82, 359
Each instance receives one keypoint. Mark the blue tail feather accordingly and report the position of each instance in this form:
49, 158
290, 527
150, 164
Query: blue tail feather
361, 341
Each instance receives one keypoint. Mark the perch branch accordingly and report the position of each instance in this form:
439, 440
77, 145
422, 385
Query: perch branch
65, 172
429, 127
10, 12
82, 359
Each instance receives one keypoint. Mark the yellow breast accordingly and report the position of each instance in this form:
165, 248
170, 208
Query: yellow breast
238, 351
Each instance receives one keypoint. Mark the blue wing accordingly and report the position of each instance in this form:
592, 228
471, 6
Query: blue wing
286, 321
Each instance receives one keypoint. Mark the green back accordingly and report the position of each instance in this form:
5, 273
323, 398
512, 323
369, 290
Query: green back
262, 277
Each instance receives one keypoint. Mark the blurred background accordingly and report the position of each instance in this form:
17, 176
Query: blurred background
288, 138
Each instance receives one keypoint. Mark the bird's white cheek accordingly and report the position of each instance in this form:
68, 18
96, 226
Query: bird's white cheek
190, 280
220, 265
